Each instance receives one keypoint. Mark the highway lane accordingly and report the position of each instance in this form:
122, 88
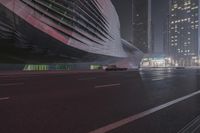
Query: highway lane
84, 102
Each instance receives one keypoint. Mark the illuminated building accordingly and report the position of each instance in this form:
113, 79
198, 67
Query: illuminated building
183, 44
61, 31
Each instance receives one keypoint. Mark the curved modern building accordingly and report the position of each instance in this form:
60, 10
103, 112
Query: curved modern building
60, 31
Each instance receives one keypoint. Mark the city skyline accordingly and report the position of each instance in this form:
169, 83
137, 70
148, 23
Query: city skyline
159, 10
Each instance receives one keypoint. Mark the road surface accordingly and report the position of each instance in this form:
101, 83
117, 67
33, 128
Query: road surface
156, 101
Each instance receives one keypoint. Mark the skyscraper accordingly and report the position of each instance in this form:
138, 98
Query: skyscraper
183, 27
166, 33
140, 24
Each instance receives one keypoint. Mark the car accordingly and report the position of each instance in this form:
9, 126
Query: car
115, 68
180, 67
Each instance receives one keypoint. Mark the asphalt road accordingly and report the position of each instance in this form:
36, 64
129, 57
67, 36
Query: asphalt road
156, 101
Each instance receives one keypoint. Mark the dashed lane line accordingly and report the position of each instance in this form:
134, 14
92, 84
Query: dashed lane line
108, 85
4, 98
11, 84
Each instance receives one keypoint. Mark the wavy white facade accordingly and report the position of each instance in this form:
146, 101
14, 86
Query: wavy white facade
72, 29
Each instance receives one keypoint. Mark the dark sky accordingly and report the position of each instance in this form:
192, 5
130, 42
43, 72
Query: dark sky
159, 18
159, 13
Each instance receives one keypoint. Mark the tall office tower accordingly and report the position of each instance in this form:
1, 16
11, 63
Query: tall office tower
140, 24
184, 31
166, 34
166, 37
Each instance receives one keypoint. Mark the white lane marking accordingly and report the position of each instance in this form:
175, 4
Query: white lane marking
4, 98
4, 76
11, 84
161, 78
109, 85
87, 78
135, 117
197, 128
158, 76
189, 125
157, 79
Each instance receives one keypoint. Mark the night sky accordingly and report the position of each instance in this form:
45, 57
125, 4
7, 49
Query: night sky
159, 13
159, 18
123, 8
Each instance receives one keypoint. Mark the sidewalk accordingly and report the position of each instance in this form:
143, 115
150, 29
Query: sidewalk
5, 73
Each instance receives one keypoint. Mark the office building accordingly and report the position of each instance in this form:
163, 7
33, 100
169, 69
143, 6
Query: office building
183, 46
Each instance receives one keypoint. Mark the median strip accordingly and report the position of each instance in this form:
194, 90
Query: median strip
135, 117
109, 85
